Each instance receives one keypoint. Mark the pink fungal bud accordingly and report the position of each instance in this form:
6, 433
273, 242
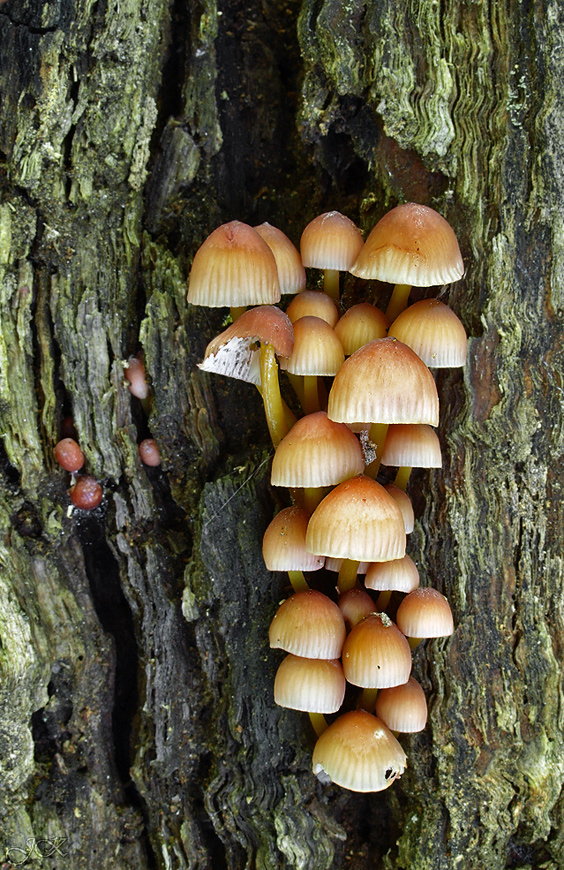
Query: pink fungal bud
87, 493
69, 455
149, 452
135, 374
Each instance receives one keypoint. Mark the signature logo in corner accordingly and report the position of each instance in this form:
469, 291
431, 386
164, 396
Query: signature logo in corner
36, 848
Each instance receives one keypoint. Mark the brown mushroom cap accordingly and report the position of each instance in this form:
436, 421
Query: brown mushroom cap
412, 244
399, 575
415, 445
425, 613
316, 452
235, 354
384, 382
357, 520
313, 303
434, 332
310, 625
403, 708
355, 605
358, 752
233, 267
311, 685
359, 325
403, 501
283, 544
330, 241
291, 271
376, 654
317, 350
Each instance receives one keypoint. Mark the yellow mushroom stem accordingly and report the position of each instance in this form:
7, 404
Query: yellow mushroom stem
377, 435
271, 398
310, 401
298, 581
311, 496
347, 575
237, 311
398, 301
319, 723
367, 700
383, 600
331, 283
402, 477
414, 641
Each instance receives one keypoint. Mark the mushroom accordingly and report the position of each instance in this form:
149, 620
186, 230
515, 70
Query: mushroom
315, 686
434, 332
310, 625
291, 272
330, 242
283, 546
86, 494
69, 455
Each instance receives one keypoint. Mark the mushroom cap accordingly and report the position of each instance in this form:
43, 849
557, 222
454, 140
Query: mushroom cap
415, 445
425, 613
359, 325
376, 654
357, 520
330, 241
355, 604
314, 303
434, 332
317, 350
291, 271
403, 708
403, 501
69, 455
412, 244
384, 382
235, 354
358, 752
312, 685
234, 266
399, 575
310, 625
283, 544
316, 452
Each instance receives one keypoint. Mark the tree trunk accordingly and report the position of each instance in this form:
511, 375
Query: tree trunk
138, 727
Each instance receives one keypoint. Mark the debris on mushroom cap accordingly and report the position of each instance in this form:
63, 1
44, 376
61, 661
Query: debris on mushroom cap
411, 244
234, 266
358, 752
330, 241
236, 353
291, 271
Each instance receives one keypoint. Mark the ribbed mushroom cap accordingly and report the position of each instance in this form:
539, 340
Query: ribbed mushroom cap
355, 605
399, 575
384, 382
312, 685
376, 654
425, 613
310, 625
235, 354
291, 271
313, 303
317, 350
283, 544
330, 241
403, 708
235, 267
316, 452
434, 332
357, 520
359, 325
411, 244
415, 445
359, 753
403, 501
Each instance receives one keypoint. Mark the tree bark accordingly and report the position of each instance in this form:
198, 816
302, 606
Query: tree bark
138, 727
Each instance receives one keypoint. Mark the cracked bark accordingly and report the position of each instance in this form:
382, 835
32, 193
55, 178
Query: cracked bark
137, 720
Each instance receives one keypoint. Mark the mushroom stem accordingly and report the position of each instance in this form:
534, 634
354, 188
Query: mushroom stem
298, 581
367, 700
237, 311
398, 301
331, 283
402, 477
310, 395
312, 495
272, 400
319, 723
377, 435
347, 575
414, 641
383, 600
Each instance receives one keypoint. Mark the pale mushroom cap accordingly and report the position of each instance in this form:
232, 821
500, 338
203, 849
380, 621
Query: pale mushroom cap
403, 501
403, 708
330, 241
359, 753
312, 685
313, 303
415, 445
310, 625
425, 613
317, 350
291, 271
412, 244
355, 605
384, 382
376, 654
234, 267
235, 354
434, 332
316, 452
357, 520
399, 575
359, 325
283, 544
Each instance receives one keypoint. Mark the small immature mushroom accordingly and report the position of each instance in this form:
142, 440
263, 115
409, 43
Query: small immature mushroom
359, 753
283, 546
403, 708
234, 266
408, 446
399, 575
310, 625
134, 372
69, 455
434, 332
376, 654
149, 452
403, 501
313, 303
86, 494
317, 352
291, 271
355, 605
331, 242
359, 325
424, 613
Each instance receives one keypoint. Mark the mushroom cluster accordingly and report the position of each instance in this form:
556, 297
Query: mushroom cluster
364, 381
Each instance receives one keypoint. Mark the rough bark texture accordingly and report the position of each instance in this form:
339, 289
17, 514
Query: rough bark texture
137, 721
